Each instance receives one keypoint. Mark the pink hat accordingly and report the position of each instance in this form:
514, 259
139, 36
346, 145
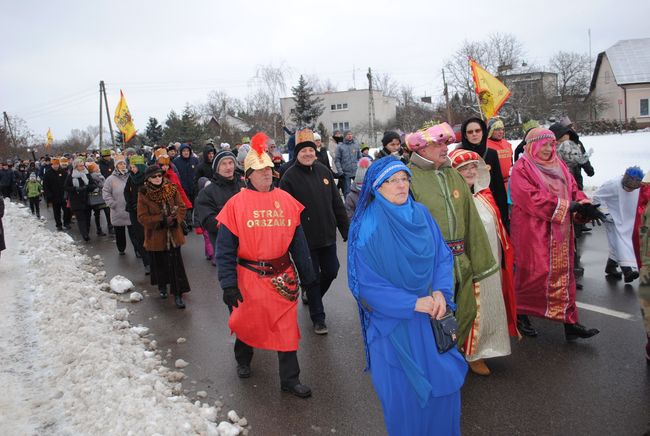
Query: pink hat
441, 134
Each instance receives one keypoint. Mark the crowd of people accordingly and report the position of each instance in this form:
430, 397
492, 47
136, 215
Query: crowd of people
456, 234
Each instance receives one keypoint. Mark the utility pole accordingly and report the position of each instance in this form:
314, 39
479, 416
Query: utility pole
354, 78
371, 110
8, 127
108, 115
446, 92
101, 127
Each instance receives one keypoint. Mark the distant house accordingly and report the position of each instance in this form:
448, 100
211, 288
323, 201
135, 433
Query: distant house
347, 110
532, 84
622, 80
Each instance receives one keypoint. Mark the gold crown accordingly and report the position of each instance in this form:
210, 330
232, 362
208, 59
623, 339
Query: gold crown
304, 135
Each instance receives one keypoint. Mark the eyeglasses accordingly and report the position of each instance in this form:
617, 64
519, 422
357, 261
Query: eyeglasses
156, 176
398, 180
472, 132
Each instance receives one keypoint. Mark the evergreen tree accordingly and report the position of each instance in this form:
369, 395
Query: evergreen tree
172, 129
119, 139
154, 132
190, 128
308, 108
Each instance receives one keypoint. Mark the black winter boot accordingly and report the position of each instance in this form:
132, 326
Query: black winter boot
611, 269
575, 331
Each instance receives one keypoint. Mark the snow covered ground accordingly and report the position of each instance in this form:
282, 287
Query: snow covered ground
72, 363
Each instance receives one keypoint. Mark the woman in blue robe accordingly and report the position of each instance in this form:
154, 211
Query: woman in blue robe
400, 273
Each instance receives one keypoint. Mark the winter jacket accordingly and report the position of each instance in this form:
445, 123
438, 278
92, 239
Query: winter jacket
314, 187
20, 178
491, 158
351, 200
54, 185
106, 167
33, 188
113, 193
150, 215
171, 176
131, 190
212, 199
79, 195
323, 157
400, 155
205, 167
7, 178
186, 169
346, 158
559, 130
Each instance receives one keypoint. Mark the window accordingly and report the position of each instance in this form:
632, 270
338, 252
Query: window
345, 105
643, 109
333, 107
339, 106
345, 125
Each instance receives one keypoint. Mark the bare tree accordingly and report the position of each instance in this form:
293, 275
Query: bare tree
504, 51
219, 104
573, 72
386, 84
271, 81
411, 114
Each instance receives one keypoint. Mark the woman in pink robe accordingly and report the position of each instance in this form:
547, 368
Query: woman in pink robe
544, 195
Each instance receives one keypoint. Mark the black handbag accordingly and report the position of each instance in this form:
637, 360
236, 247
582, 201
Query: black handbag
445, 331
96, 200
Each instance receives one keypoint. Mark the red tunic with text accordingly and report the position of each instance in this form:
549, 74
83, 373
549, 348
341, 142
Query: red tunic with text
265, 223
504, 151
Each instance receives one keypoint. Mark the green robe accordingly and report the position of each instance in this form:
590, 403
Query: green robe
446, 194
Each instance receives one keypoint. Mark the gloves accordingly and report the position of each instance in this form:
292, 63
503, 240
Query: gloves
592, 213
574, 206
232, 297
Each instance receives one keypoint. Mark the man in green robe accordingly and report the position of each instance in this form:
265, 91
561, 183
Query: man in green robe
445, 193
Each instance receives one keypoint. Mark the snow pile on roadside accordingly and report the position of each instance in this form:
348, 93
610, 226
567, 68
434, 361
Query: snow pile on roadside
75, 365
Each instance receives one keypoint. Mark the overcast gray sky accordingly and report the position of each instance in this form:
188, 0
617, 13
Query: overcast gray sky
164, 54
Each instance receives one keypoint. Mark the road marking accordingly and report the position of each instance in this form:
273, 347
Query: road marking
605, 311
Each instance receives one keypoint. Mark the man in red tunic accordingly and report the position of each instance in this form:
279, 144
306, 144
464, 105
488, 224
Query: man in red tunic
496, 141
261, 244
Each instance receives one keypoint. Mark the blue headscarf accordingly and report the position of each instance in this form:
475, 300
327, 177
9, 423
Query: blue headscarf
395, 242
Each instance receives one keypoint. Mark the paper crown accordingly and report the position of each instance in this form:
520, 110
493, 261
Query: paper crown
304, 135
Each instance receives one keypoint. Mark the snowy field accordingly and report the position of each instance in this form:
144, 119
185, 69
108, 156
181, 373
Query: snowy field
72, 363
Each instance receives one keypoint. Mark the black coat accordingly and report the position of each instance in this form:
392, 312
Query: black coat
212, 199
2, 231
131, 190
106, 167
491, 158
79, 195
186, 170
314, 187
205, 167
54, 185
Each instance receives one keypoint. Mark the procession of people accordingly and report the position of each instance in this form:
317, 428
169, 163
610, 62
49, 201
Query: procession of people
452, 246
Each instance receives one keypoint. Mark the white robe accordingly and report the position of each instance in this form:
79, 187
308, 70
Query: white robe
621, 205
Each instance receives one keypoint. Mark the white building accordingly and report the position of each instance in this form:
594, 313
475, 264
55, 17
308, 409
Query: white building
622, 79
348, 110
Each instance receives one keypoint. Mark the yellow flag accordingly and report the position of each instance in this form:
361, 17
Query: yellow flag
123, 119
50, 138
491, 92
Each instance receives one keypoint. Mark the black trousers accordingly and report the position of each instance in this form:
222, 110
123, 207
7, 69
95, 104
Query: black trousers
35, 205
120, 237
58, 209
326, 266
137, 239
287, 360
83, 221
107, 213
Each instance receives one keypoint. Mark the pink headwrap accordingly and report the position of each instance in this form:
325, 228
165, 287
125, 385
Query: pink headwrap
535, 139
439, 134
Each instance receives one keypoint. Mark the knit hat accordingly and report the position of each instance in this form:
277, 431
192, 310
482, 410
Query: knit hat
245, 140
388, 137
32, 176
439, 134
559, 129
225, 146
92, 167
55, 161
152, 170
364, 147
163, 159
632, 177
119, 158
136, 159
317, 136
241, 155
362, 169
105, 152
493, 124
160, 152
257, 158
304, 138
225, 154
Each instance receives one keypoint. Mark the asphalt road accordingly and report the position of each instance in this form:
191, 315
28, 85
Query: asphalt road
547, 386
